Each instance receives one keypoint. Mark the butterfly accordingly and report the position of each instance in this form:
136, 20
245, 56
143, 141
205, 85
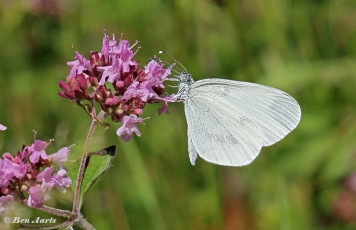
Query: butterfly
230, 121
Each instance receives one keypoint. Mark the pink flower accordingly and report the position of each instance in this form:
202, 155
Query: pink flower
112, 101
164, 101
2, 127
45, 178
126, 55
136, 90
75, 87
5, 202
38, 149
155, 76
37, 197
106, 48
155, 70
79, 65
151, 87
61, 180
60, 157
50, 180
8, 170
129, 127
118, 57
110, 73
117, 83
33, 171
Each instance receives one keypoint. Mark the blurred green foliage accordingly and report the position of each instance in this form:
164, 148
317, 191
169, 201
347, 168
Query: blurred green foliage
306, 48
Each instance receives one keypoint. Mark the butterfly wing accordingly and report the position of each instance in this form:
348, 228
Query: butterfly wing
220, 137
275, 112
193, 154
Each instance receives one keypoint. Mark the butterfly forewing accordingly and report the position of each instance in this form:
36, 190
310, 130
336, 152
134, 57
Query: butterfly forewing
219, 136
275, 112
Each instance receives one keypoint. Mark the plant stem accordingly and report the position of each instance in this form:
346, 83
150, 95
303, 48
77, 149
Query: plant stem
75, 217
54, 226
58, 212
83, 223
54, 211
76, 201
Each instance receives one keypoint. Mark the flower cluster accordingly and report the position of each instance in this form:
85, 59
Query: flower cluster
115, 80
31, 174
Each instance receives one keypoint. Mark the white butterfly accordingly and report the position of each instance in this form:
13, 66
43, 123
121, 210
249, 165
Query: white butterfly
230, 121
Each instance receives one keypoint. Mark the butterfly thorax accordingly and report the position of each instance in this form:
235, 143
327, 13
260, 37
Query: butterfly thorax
185, 83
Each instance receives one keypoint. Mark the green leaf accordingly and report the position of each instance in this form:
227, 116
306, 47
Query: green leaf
98, 163
73, 165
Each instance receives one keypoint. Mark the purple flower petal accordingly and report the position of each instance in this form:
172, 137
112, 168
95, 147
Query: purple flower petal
5, 201
60, 157
79, 65
130, 90
46, 178
113, 101
58, 180
61, 180
8, 170
2, 127
106, 47
37, 197
110, 73
84, 63
164, 101
155, 70
137, 90
37, 149
129, 127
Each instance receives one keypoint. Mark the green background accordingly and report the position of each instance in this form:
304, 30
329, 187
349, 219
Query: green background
306, 48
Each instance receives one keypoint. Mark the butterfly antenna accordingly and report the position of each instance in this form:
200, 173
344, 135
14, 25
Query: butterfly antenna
170, 64
161, 52
175, 71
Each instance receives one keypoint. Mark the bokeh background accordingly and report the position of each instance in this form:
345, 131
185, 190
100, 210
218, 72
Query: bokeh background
306, 48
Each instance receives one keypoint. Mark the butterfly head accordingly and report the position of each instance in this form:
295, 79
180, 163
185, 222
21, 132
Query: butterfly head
185, 78
185, 81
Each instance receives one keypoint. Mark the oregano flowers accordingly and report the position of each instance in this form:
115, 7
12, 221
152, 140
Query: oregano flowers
29, 175
115, 81
111, 80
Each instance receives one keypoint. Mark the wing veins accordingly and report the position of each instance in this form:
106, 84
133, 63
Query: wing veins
245, 147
